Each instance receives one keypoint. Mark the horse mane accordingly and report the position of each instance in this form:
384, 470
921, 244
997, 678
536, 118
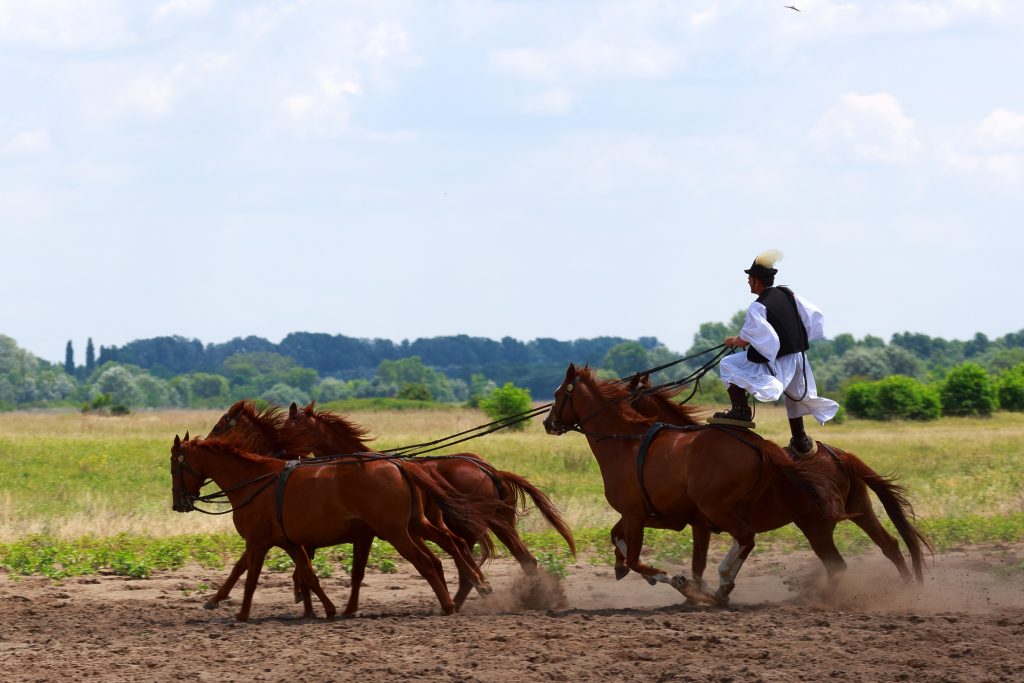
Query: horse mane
221, 445
614, 392
287, 441
341, 427
681, 414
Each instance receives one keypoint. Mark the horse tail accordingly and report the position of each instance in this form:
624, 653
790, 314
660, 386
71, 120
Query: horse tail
521, 488
459, 510
810, 478
894, 499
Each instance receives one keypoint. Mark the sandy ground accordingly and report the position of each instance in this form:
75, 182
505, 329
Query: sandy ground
965, 624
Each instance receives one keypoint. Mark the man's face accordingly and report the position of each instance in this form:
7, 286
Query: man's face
756, 286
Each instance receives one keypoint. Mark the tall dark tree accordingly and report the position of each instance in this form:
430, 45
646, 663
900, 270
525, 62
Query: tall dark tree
90, 356
69, 359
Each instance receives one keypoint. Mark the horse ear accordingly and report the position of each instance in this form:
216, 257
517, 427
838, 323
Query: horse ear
645, 379
293, 409
177, 441
308, 410
571, 372
186, 435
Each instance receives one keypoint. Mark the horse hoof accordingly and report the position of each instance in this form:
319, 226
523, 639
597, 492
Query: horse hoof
298, 597
650, 581
210, 604
484, 589
620, 572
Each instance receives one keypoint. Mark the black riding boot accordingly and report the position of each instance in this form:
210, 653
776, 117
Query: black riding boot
740, 406
800, 444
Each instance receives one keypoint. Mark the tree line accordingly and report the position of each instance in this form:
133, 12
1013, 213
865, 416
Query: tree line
175, 371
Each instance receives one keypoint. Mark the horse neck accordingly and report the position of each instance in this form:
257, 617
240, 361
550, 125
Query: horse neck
227, 470
604, 426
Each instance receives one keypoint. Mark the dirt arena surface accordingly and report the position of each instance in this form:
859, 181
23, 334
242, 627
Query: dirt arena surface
965, 624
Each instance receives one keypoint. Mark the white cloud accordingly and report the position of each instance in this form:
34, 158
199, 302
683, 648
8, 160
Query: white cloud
553, 101
387, 41
176, 8
326, 107
868, 128
65, 24
152, 96
1001, 130
27, 143
994, 150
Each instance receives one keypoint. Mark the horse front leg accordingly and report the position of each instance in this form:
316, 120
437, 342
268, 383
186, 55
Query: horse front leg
256, 555
310, 581
742, 544
632, 542
225, 588
360, 556
619, 545
699, 561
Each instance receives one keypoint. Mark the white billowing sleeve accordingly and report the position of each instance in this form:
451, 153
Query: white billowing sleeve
812, 318
759, 333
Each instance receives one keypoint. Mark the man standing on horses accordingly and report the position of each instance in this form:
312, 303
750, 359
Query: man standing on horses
776, 332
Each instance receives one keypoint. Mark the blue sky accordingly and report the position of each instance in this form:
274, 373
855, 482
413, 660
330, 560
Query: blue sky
530, 169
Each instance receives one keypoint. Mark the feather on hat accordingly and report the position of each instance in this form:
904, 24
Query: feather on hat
764, 264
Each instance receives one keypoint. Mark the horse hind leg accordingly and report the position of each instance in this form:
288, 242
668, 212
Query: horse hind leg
863, 515
819, 535
426, 563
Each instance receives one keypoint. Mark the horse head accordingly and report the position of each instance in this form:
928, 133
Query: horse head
562, 417
185, 480
231, 418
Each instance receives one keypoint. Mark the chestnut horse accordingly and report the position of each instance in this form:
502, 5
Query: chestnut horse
736, 480
503, 494
852, 478
324, 503
269, 432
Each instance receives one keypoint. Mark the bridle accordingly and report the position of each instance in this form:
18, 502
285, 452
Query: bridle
188, 501
577, 426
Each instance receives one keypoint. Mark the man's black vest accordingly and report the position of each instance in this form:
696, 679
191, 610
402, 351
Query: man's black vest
784, 318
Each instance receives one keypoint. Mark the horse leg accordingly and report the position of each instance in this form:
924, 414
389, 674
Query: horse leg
858, 506
299, 591
632, 542
255, 555
427, 564
309, 582
619, 543
460, 551
229, 583
742, 544
508, 536
819, 535
360, 556
699, 561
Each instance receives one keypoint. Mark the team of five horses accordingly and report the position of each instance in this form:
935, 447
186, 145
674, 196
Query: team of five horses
302, 479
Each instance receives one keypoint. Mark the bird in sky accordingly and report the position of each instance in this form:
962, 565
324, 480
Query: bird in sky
791, 7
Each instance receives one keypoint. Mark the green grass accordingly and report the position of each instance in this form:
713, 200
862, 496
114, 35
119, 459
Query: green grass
86, 493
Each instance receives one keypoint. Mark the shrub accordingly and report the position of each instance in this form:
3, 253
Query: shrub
968, 390
506, 401
415, 391
1011, 389
896, 397
862, 400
